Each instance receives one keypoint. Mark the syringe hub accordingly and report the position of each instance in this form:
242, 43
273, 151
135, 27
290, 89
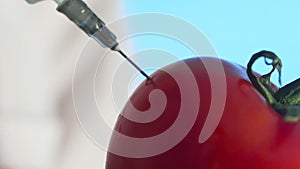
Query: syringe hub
78, 12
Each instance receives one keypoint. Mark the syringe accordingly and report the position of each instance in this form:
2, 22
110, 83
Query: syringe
78, 12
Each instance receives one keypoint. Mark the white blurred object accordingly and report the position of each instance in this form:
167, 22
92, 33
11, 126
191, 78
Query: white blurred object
38, 125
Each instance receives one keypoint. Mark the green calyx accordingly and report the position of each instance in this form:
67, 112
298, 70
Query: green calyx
286, 100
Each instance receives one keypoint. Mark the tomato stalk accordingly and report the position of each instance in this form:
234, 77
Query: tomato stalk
286, 100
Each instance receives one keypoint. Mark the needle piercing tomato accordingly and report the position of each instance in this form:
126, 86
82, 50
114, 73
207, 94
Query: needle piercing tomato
259, 127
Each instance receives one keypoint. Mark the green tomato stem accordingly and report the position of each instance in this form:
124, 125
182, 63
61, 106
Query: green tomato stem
286, 100
262, 84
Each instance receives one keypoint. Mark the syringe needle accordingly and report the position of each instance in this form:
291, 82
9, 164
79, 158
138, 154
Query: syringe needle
135, 65
79, 13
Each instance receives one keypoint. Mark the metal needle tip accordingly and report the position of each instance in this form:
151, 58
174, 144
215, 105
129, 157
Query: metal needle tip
135, 65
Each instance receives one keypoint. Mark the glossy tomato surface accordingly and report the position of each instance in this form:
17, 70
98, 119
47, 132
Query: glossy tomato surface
249, 135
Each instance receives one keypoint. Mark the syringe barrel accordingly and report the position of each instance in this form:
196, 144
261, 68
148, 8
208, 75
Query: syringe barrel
78, 12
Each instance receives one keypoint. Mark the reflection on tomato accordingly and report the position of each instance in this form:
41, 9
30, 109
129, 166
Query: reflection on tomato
250, 134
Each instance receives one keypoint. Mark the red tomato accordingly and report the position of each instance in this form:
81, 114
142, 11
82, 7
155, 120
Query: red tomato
250, 134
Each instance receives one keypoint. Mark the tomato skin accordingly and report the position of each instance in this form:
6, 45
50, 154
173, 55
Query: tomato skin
250, 134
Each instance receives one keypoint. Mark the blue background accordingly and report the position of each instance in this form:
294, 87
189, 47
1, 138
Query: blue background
238, 29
